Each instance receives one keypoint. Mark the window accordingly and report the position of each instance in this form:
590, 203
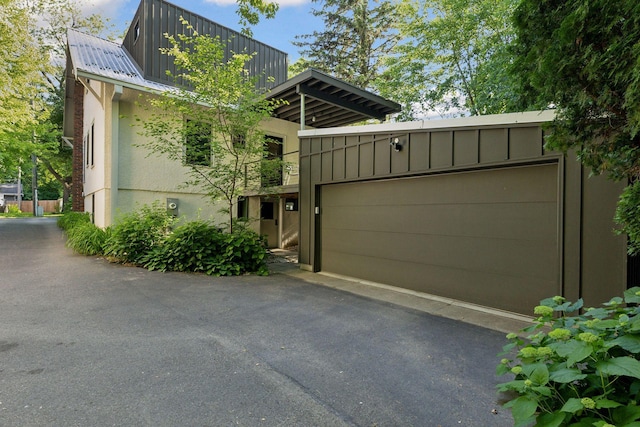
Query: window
267, 210
89, 146
136, 31
272, 168
198, 143
91, 143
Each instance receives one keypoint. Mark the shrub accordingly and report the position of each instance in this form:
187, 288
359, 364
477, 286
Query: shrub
194, 246
244, 252
72, 219
200, 247
580, 370
137, 233
87, 239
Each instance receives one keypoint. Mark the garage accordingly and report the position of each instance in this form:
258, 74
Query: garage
489, 237
474, 209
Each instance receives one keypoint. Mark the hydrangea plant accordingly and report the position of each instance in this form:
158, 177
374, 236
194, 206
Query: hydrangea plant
572, 369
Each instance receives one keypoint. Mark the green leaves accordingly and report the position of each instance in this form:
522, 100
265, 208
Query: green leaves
582, 57
453, 58
581, 370
148, 238
522, 409
620, 366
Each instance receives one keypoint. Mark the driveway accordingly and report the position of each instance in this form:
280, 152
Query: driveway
87, 343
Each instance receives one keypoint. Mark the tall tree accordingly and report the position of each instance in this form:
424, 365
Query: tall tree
583, 57
212, 127
453, 59
21, 65
357, 36
34, 34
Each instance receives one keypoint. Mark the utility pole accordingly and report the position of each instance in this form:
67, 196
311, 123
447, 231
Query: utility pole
19, 195
34, 183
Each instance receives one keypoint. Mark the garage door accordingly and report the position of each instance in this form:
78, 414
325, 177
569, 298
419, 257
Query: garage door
487, 237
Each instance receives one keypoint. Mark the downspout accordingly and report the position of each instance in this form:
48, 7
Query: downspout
115, 134
302, 112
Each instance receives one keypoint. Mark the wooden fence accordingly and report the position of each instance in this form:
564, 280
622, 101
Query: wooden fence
49, 206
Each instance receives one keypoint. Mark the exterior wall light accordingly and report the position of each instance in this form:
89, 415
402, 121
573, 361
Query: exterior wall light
395, 143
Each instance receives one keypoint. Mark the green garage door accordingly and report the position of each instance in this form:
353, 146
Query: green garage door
488, 237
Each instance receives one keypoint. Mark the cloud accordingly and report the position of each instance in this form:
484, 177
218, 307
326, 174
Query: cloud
108, 8
282, 3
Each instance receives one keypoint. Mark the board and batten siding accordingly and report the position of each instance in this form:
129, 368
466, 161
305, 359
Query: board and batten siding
471, 209
155, 18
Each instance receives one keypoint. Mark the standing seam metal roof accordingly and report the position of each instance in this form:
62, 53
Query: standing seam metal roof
94, 57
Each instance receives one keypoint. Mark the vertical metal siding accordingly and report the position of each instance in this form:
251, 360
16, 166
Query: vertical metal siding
158, 17
584, 209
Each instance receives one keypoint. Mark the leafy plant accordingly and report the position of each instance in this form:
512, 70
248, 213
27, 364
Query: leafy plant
581, 370
137, 233
199, 247
86, 238
194, 246
71, 219
245, 252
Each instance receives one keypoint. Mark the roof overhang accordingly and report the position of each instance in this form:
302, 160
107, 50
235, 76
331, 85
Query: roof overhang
321, 101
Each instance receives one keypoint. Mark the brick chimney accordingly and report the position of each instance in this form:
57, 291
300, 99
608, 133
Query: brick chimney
77, 189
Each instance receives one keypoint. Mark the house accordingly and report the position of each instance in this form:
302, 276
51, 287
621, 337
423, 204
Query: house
112, 175
473, 209
10, 194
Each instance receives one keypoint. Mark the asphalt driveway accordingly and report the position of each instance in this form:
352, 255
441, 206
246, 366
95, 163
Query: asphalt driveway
87, 343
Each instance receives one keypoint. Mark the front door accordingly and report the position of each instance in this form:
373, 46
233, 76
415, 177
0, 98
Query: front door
269, 213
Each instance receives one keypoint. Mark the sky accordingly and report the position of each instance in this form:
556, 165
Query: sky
293, 18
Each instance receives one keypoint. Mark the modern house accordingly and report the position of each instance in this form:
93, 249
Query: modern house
472, 209
112, 175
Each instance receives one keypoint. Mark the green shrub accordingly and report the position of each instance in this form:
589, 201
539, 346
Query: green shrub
581, 370
195, 246
137, 233
87, 239
199, 247
244, 252
71, 219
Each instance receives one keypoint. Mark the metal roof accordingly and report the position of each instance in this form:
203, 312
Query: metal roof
93, 57
328, 102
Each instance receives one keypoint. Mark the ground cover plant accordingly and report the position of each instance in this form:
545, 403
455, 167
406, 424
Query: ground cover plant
150, 237
573, 369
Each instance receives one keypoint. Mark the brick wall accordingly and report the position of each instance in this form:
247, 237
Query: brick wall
78, 151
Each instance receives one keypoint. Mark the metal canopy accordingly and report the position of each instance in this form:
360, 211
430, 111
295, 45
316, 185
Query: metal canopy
318, 100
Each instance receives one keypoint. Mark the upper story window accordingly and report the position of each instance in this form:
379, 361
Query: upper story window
89, 146
136, 31
197, 143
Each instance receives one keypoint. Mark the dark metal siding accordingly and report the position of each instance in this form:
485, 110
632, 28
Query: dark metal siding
157, 17
489, 236
587, 259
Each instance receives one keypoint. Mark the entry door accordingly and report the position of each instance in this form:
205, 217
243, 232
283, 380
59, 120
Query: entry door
269, 212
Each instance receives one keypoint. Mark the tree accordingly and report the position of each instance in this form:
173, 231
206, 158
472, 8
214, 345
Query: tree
453, 59
583, 57
21, 65
34, 34
356, 38
211, 126
250, 11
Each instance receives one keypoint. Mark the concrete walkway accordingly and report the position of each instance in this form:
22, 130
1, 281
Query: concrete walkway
446, 307
87, 343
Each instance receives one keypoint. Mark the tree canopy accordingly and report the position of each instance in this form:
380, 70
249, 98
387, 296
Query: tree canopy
583, 58
453, 59
356, 39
